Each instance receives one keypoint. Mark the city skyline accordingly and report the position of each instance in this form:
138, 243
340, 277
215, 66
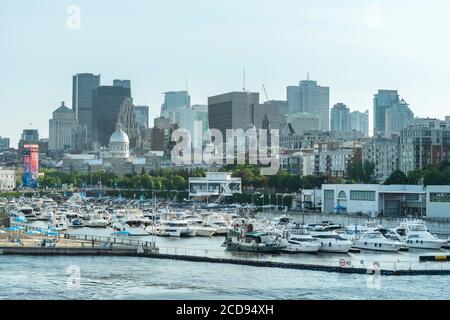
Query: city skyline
373, 47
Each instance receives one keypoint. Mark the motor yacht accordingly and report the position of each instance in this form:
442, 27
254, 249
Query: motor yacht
300, 243
416, 235
244, 238
172, 228
375, 241
331, 241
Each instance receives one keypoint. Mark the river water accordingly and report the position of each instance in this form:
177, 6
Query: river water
143, 278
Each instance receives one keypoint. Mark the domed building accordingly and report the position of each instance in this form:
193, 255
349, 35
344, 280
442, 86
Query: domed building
119, 144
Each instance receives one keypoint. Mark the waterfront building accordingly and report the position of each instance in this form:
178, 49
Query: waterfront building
397, 117
7, 179
438, 202
309, 97
375, 199
214, 185
60, 128
106, 103
382, 101
142, 116
422, 147
359, 121
4, 143
83, 85
232, 110
384, 154
340, 117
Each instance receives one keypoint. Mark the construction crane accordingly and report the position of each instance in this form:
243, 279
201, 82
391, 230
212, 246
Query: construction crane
265, 93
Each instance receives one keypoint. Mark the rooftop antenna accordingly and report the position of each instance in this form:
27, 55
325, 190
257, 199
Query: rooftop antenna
244, 81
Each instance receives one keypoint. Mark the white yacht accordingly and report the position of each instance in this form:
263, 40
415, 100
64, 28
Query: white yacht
375, 241
97, 221
417, 236
330, 241
300, 243
133, 226
173, 228
201, 230
218, 222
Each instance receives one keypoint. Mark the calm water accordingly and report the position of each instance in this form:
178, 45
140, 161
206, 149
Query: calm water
144, 278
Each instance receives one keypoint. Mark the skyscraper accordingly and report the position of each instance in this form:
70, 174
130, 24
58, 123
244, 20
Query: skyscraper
232, 110
383, 100
4, 143
82, 88
60, 128
340, 117
142, 115
311, 98
174, 100
106, 103
122, 83
359, 121
397, 117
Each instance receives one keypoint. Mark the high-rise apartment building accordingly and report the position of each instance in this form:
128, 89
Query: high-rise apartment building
340, 117
4, 143
382, 101
384, 153
397, 117
359, 121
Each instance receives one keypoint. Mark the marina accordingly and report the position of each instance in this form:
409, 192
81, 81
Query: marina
91, 227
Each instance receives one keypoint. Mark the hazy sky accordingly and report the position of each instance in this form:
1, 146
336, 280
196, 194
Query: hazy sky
354, 46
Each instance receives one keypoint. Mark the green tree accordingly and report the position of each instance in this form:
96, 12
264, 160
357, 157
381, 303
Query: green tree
397, 177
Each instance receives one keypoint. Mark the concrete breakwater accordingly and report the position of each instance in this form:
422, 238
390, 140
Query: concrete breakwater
154, 253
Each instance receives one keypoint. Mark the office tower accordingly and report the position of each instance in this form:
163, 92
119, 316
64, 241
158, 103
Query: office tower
447, 120
4, 143
174, 100
359, 121
195, 121
267, 112
340, 117
60, 128
281, 107
79, 139
310, 98
142, 115
382, 101
129, 124
303, 121
106, 103
232, 110
397, 117
122, 83
82, 89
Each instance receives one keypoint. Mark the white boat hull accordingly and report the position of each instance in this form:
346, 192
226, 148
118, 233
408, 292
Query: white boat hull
334, 247
425, 244
384, 247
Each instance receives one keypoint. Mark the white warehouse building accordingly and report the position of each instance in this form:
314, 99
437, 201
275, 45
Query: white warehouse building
391, 201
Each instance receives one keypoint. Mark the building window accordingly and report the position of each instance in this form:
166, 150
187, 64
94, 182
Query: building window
328, 194
443, 197
362, 195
